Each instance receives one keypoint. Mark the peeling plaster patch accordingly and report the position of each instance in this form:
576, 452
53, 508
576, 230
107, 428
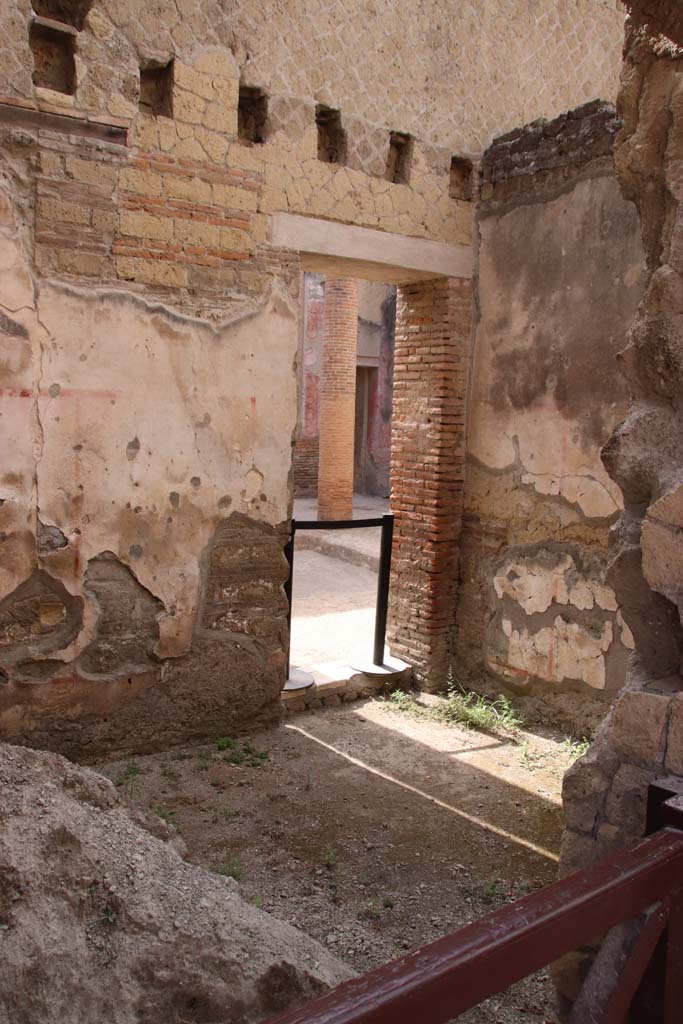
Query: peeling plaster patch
591, 495
527, 641
40, 616
563, 651
535, 586
49, 538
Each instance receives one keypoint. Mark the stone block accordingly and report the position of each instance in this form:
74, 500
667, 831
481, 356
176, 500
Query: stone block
146, 225
194, 81
234, 240
638, 723
214, 144
196, 232
627, 800
146, 183
155, 272
90, 172
72, 261
195, 190
104, 221
232, 198
662, 542
584, 789
188, 107
51, 163
63, 213
674, 747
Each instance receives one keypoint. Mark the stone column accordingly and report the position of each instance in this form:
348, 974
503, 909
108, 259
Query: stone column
338, 400
433, 326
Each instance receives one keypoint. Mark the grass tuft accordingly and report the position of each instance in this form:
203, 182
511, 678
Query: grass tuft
462, 707
231, 868
576, 748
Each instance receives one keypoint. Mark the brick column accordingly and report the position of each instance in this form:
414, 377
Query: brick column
338, 400
433, 325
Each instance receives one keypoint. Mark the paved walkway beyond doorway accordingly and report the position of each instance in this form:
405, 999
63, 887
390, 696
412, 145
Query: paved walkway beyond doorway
360, 547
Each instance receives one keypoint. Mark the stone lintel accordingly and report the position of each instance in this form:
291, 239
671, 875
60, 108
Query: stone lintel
343, 250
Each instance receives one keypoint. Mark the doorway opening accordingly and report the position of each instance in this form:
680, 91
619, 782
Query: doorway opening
335, 582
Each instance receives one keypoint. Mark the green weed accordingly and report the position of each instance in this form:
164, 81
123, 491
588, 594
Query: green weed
576, 748
494, 892
164, 813
126, 779
230, 868
372, 910
329, 857
245, 755
225, 743
465, 708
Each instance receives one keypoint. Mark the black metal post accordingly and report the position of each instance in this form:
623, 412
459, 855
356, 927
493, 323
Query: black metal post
289, 555
383, 588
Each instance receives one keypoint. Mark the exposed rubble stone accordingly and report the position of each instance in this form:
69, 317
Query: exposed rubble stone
642, 738
102, 920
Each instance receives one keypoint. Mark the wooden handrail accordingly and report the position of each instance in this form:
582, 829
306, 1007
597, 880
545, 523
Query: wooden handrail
442, 980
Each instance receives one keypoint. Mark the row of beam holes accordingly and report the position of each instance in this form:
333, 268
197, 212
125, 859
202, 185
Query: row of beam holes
252, 122
52, 37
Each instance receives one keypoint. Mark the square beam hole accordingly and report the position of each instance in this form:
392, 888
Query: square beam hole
461, 178
156, 90
331, 135
399, 158
252, 114
54, 66
69, 12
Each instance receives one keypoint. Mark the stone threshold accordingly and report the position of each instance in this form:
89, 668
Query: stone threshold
339, 683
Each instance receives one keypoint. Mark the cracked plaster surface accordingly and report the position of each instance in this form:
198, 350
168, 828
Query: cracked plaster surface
211, 410
527, 640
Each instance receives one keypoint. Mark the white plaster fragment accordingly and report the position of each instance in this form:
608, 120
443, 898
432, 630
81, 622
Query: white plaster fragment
536, 587
563, 651
626, 635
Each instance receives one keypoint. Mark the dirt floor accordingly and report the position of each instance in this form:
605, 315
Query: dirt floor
370, 829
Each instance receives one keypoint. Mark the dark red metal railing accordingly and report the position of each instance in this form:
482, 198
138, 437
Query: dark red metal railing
444, 979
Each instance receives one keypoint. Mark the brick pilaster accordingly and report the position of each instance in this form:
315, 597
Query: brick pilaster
433, 326
338, 400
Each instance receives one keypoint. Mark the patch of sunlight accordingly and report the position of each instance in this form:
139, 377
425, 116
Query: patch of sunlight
471, 818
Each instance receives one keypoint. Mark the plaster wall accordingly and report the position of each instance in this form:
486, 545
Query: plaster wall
145, 488
560, 275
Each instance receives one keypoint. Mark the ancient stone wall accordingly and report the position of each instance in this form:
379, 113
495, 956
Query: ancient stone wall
642, 739
560, 275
